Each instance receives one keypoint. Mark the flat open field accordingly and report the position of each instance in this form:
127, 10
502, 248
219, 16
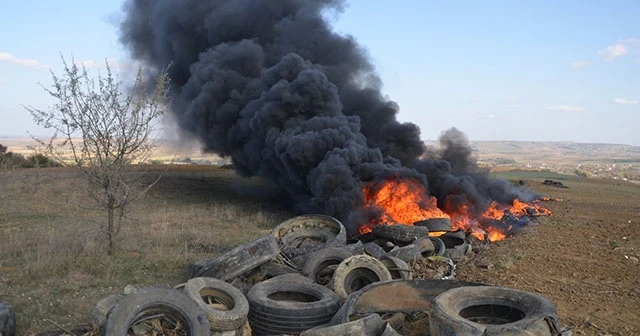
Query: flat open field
53, 268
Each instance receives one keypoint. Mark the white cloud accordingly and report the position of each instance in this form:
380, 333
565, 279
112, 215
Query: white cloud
25, 62
613, 51
565, 108
620, 48
491, 116
580, 64
623, 101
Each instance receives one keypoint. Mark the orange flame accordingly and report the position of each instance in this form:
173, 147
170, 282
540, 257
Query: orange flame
520, 209
480, 226
436, 233
405, 200
495, 235
401, 201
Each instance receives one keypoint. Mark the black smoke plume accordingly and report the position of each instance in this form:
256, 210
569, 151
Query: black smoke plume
269, 84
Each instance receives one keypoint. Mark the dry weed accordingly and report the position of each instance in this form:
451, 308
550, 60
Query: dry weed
53, 262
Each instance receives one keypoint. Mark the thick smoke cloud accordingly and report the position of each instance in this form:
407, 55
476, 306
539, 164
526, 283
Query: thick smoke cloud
270, 85
455, 176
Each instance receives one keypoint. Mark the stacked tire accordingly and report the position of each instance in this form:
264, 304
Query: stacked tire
280, 306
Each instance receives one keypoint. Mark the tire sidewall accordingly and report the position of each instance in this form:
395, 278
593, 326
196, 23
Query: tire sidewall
126, 311
445, 318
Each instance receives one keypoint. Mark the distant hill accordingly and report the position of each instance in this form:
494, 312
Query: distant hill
555, 152
168, 151
586, 159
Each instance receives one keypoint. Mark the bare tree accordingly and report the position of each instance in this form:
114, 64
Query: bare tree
103, 130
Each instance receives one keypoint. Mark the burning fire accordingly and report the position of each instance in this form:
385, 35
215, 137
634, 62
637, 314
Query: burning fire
401, 201
405, 200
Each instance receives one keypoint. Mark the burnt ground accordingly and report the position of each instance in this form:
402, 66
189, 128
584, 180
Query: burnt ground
584, 258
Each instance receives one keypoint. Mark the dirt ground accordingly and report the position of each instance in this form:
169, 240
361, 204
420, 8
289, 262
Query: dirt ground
584, 258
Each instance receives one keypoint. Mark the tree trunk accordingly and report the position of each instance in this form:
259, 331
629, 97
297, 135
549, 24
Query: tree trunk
111, 227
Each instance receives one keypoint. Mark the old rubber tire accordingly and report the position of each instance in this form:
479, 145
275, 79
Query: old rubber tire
457, 233
7, 320
435, 224
452, 241
210, 292
394, 296
398, 268
373, 250
153, 301
321, 265
439, 246
456, 248
401, 233
304, 234
492, 311
101, 310
390, 331
241, 259
289, 307
372, 324
274, 268
420, 248
195, 266
357, 272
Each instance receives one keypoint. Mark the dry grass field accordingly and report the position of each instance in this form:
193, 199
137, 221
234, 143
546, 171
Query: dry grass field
53, 266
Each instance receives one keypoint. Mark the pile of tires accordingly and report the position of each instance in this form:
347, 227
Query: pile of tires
306, 278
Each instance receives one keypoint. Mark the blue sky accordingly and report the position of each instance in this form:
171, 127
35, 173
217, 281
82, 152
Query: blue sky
496, 70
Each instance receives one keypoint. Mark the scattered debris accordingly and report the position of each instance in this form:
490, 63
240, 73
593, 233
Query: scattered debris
554, 183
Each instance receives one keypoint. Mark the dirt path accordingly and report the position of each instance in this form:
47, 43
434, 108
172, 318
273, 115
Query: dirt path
584, 258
